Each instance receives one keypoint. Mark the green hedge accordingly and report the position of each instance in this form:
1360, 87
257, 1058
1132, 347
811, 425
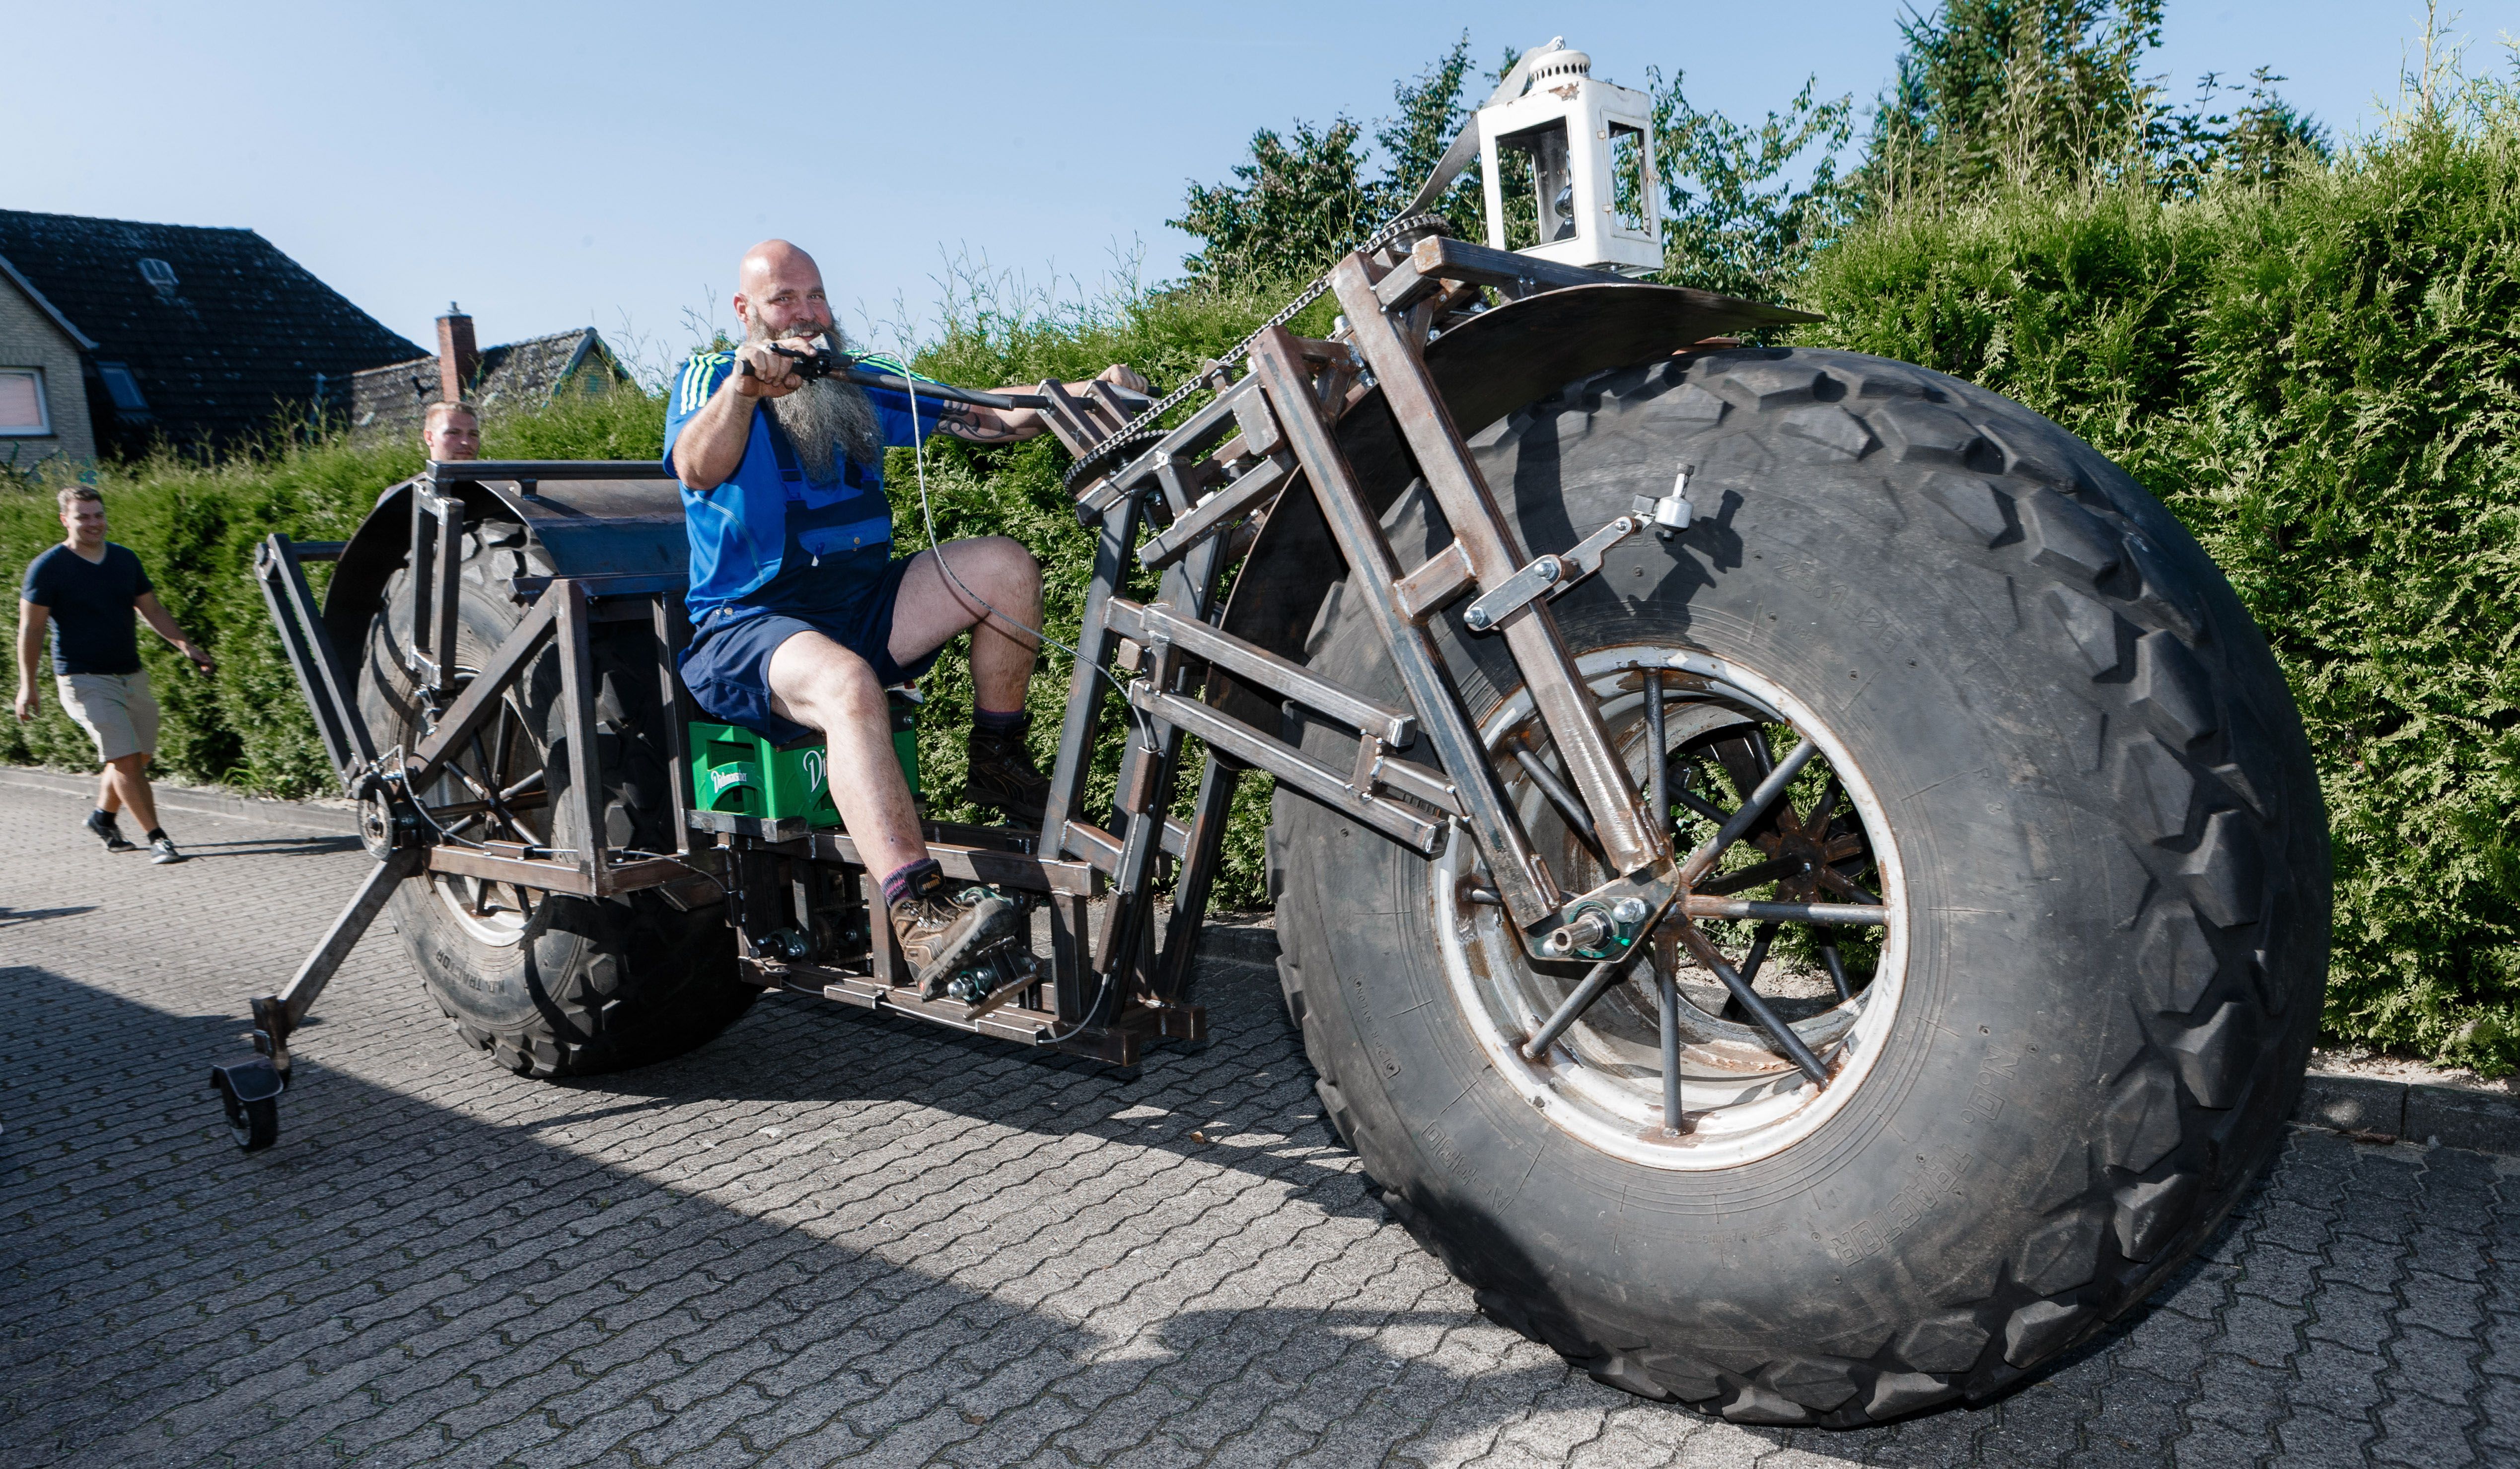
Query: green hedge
2324, 383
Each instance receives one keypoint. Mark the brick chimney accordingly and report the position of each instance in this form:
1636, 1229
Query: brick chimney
458, 359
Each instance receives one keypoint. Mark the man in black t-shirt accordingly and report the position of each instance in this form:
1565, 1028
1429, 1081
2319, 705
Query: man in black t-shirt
88, 590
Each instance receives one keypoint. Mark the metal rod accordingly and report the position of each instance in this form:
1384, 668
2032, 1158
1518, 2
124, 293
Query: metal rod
1751, 810
1277, 362
1667, 996
1859, 914
1748, 999
1559, 694
1594, 985
447, 471
1658, 763
483, 697
1558, 795
1750, 966
298, 997
1837, 969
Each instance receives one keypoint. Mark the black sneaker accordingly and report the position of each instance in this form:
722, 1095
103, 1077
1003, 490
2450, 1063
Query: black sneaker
940, 934
102, 825
1002, 773
161, 851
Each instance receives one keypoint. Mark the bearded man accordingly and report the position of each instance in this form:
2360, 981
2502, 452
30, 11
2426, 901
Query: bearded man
802, 616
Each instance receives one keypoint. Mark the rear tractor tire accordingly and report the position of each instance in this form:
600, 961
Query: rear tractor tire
552, 985
2053, 751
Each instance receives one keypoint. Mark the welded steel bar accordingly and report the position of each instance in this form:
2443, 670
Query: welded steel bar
1157, 623
446, 601
1277, 363
1860, 915
1260, 484
483, 697
1208, 821
1402, 824
577, 693
1757, 1008
1657, 759
1559, 797
1088, 682
298, 997
672, 628
451, 470
1755, 806
320, 679
1559, 694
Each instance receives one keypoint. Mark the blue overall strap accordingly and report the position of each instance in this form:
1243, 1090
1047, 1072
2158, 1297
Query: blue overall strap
792, 474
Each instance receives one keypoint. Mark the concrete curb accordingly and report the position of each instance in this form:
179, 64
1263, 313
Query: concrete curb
2366, 1107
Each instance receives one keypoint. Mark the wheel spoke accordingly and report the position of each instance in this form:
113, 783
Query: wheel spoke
1833, 877
1757, 1008
1578, 820
1836, 966
1740, 821
1595, 985
1657, 759
1823, 812
1749, 877
1667, 1002
1759, 943
1695, 802
1853, 915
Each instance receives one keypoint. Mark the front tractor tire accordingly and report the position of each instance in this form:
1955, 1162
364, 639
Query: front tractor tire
552, 985
2051, 747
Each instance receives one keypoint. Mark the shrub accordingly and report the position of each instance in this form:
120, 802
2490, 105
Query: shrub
2322, 381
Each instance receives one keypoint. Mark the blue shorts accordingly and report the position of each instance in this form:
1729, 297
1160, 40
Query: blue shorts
727, 667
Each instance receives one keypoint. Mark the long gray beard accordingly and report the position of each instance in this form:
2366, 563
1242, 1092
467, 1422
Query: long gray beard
826, 418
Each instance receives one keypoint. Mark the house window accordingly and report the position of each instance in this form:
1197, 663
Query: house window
22, 412
123, 389
159, 274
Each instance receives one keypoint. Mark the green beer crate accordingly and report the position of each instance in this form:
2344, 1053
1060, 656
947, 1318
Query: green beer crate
738, 772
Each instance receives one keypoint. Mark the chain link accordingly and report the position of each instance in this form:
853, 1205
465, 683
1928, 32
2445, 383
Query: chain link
1312, 292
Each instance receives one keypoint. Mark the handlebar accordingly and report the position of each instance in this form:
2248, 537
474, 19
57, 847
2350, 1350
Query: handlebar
812, 364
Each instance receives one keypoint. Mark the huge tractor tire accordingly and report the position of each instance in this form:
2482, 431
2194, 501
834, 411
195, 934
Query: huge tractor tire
2053, 749
552, 985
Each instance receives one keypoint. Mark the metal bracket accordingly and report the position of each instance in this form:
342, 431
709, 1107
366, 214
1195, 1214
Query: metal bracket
1548, 575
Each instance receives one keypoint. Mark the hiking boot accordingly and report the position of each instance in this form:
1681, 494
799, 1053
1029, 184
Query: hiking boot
102, 825
161, 851
941, 934
1002, 773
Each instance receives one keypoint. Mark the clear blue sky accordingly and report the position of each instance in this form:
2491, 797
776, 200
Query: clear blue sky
553, 165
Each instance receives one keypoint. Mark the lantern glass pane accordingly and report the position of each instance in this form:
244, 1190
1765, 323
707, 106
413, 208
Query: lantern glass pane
1537, 185
1630, 204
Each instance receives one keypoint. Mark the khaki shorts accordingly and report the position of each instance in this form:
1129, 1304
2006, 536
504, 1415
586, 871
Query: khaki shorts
116, 709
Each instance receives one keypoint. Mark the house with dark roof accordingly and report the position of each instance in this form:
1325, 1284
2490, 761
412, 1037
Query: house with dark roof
197, 337
43, 402
391, 401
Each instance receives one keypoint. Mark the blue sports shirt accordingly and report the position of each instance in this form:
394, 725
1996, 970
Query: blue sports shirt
769, 539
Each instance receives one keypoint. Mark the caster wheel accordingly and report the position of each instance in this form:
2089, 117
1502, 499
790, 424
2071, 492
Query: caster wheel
249, 1094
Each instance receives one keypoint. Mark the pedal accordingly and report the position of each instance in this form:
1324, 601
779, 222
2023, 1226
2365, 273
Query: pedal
1004, 969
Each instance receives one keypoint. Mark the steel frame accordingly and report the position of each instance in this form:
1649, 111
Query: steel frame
806, 915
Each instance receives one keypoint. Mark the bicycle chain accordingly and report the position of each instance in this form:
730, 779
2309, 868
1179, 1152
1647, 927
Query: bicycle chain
1314, 291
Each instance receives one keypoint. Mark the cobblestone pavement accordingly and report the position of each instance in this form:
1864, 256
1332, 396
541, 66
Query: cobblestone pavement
828, 1237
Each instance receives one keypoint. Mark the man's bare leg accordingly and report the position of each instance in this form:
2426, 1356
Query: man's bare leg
819, 685
931, 609
108, 790
127, 781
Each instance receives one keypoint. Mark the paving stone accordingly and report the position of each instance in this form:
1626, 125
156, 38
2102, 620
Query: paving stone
952, 1253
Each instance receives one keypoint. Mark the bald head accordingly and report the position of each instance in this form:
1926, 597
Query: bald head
779, 292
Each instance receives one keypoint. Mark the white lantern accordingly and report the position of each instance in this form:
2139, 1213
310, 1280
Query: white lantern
1588, 147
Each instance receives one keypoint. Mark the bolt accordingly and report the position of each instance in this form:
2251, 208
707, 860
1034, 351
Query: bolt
1478, 617
1629, 910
